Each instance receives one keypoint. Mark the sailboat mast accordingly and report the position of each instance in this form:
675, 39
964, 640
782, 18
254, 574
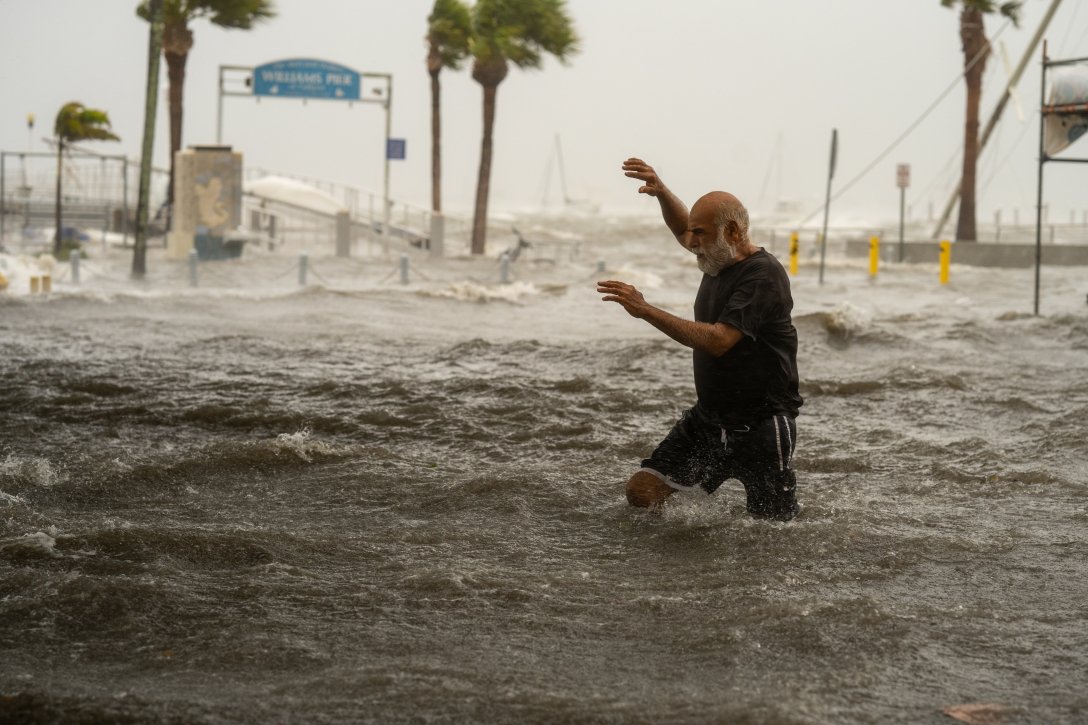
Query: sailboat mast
562, 170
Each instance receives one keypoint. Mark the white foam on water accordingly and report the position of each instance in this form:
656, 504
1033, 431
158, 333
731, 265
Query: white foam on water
29, 469
38, 541
300, 443
638, 277
848, 319
475, 292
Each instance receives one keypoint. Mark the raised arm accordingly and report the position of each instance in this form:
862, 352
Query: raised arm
673, 211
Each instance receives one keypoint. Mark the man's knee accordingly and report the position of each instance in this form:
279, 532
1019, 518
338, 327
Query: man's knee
647, 490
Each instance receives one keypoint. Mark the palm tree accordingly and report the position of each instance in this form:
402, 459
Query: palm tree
504, 32
449, 28
177, 41
75, 123
151, 103
976, 50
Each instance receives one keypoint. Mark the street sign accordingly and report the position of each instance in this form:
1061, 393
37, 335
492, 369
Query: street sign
395, 149
902, 176
306, 78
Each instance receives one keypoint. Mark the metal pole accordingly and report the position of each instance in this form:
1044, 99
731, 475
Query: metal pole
385, 185
3, 197
902, 208
124, 201
219, 112
1039, 197
827, 199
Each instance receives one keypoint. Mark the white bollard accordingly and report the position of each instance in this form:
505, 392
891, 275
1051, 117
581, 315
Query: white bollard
438, 234
504, 268
192, 268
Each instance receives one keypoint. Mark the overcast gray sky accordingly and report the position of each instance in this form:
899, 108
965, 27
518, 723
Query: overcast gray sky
734, 94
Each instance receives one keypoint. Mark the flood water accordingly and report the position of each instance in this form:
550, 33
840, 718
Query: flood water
367, 501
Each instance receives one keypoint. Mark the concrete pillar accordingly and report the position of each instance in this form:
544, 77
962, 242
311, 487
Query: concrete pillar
438, 235
343, 234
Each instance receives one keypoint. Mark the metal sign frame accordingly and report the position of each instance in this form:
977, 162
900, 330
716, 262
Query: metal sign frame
1044, 111
238, 80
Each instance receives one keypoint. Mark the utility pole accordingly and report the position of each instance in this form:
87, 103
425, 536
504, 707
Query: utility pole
154, 51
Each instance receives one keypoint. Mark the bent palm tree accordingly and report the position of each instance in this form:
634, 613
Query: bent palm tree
177, 41
505, 32
976, 51
75, 123
449, 28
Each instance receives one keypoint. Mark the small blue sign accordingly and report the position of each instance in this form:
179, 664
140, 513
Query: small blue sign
395, 149
306, 78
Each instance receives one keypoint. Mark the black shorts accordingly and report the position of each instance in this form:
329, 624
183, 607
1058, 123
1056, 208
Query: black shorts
698, 452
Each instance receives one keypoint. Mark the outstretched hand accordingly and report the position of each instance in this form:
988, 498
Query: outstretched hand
638, 169
624, 294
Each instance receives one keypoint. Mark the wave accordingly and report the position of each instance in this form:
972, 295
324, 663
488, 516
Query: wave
513, 293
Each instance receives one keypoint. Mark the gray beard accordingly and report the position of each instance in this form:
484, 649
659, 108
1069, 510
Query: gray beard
718, 257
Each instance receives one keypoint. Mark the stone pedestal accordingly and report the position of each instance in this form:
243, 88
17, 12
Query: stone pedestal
207, 197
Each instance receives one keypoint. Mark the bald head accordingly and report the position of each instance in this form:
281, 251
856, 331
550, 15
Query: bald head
726, 213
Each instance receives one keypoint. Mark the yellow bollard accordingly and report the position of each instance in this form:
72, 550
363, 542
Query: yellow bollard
874, 256
35, 284
795, 252
946, 260
47, 284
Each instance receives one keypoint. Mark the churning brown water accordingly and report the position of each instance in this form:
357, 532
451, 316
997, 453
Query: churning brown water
372, 502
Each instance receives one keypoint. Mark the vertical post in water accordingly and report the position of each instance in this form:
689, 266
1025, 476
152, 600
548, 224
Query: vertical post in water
73, 263
303, 268
438, 234
343, 234
902, 210
385, 183
827, 199
946, 260
504, 268
874, 257
192, 268
600, 266
404, 269
3, 197
795, 253
1039, 198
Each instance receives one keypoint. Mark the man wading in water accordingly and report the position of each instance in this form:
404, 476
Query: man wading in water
745, 359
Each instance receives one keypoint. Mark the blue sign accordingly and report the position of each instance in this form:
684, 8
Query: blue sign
306, 78
395, 149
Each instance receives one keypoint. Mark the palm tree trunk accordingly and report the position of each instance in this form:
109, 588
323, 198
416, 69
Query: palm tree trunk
56, 210
151, 98
973, 36
436, 143
177, 42
483, 182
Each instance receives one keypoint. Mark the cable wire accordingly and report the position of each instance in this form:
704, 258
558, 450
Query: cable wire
891, 147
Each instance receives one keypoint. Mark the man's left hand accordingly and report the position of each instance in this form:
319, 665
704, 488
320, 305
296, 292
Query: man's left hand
626, 295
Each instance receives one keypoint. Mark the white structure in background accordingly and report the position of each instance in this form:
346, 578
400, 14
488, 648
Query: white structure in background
207, 198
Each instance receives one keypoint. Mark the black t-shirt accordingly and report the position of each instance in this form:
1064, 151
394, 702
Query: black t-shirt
757, 377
